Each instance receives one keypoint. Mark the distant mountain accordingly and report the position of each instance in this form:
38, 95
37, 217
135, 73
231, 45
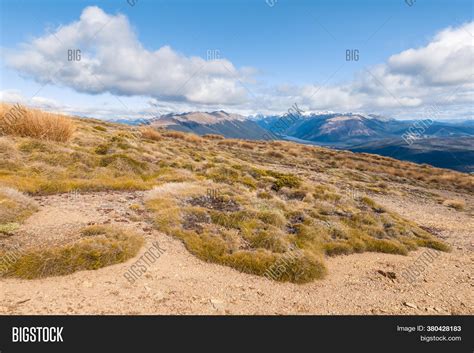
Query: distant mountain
452, 153
344, 130
338, 128
133, 122
218, 122
442, 144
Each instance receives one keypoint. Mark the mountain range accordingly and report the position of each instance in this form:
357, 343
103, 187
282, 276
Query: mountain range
442, 144
218, 122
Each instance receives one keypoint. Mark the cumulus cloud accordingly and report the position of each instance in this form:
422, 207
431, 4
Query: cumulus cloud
113, 60
446, 60
439, 74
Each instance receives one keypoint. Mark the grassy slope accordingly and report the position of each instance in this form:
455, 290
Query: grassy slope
274, 203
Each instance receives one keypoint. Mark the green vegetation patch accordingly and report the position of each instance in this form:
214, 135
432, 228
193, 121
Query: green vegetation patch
281, 238
100, 246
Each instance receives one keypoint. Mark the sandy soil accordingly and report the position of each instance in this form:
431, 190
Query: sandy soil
179, 283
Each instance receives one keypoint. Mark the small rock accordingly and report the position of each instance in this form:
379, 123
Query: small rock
388, 274
410, 305
23, 301
87, 284
217, 304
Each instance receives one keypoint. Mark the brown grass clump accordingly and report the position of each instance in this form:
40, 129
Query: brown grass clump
100, 246
248, 146
150, 134
24, 122
229, 142
193, 138
174, 134
178, 135
275, 154
213, 137
458, 205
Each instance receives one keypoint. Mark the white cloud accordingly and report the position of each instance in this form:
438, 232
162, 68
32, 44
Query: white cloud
113, 60
438, 74
446, 60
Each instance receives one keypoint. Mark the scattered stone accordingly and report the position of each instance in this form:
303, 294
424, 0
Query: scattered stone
23, 301
410, 305
121, 220
388, 274
217, 304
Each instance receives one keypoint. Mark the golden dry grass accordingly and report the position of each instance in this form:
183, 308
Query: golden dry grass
18, 121
458, 205
150, 133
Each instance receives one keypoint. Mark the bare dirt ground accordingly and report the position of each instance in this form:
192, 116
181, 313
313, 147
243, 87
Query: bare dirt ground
179, 283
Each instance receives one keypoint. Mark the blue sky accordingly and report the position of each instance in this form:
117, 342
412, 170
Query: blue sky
268, 57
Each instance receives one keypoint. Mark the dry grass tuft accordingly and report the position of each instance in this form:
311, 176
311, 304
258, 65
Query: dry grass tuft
213, 137
24, 122
458, 205
174, 134
100, 246
150, 134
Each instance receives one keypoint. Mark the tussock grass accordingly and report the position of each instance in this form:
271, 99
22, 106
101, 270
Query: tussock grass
213, 137
20, 121
150, 134
15, 207
100, 246
178, 135
242, 229
458, 205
